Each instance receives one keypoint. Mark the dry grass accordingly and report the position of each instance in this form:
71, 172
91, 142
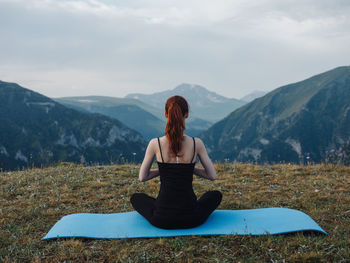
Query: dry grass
33, 200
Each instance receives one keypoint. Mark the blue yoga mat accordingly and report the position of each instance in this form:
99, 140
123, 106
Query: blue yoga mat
221, 222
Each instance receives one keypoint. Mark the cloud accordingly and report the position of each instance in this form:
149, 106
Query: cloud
116, 47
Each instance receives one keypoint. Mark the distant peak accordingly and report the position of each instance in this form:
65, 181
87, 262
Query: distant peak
187, 86
253, 95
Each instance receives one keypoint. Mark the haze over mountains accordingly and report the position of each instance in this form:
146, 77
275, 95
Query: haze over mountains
204, 104
294, 123
145, 113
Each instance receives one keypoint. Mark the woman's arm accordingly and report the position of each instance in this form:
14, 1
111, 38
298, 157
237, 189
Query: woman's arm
151, 174
200, 172
209, 171
146, 173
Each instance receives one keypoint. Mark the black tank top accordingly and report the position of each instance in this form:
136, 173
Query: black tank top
176, 196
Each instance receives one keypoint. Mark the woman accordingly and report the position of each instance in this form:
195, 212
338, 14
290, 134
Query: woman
176, 205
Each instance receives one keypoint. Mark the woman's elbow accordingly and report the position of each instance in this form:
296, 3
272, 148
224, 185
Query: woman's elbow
142, 178
213, 177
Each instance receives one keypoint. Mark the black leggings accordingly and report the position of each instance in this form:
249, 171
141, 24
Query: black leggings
145, 205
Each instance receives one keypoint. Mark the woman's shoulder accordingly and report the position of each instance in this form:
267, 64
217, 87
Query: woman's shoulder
198, 140
154, 141
187, 137
199, 144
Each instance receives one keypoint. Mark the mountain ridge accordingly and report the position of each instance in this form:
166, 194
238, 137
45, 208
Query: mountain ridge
132, 115
288, 123
37, 131
253, 95
204, 104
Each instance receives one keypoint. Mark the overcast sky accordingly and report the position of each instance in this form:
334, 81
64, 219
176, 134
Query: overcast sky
115, 47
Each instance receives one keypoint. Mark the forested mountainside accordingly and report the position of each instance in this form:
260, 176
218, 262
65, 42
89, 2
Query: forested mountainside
132, 115
300, 122
35, 131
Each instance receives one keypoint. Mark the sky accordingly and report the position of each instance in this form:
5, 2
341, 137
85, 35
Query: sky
116, 47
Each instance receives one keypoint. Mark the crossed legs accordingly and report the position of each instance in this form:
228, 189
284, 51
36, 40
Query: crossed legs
145, 205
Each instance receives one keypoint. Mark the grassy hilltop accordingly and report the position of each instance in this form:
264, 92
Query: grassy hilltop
33, 200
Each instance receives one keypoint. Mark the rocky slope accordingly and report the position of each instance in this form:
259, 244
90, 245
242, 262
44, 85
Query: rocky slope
36, 130
300, 122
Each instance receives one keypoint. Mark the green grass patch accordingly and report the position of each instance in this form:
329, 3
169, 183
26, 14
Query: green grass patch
33, 200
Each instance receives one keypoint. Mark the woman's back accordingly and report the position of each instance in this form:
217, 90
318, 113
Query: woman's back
176, 196
187, 153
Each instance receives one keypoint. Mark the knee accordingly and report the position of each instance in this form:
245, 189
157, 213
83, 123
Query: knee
218, 196
134, 197
213, 198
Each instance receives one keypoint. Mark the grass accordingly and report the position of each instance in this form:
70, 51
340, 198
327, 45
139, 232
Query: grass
33, 200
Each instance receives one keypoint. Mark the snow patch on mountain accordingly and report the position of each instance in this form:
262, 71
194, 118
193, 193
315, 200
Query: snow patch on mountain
20, 156
264, 141
91, 142
246, 152
295, 145
86, 101
3, 151
67, 140
214, 98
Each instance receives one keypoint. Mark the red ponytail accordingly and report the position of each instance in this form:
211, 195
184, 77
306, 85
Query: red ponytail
176, 108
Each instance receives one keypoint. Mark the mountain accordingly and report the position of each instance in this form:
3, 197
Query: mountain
196, 126
294, 123
133, 113
253, 95
204, 104
88, 102
36, 130
145, 113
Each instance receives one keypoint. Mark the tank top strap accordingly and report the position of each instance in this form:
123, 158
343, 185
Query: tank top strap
160, 149
194, 149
